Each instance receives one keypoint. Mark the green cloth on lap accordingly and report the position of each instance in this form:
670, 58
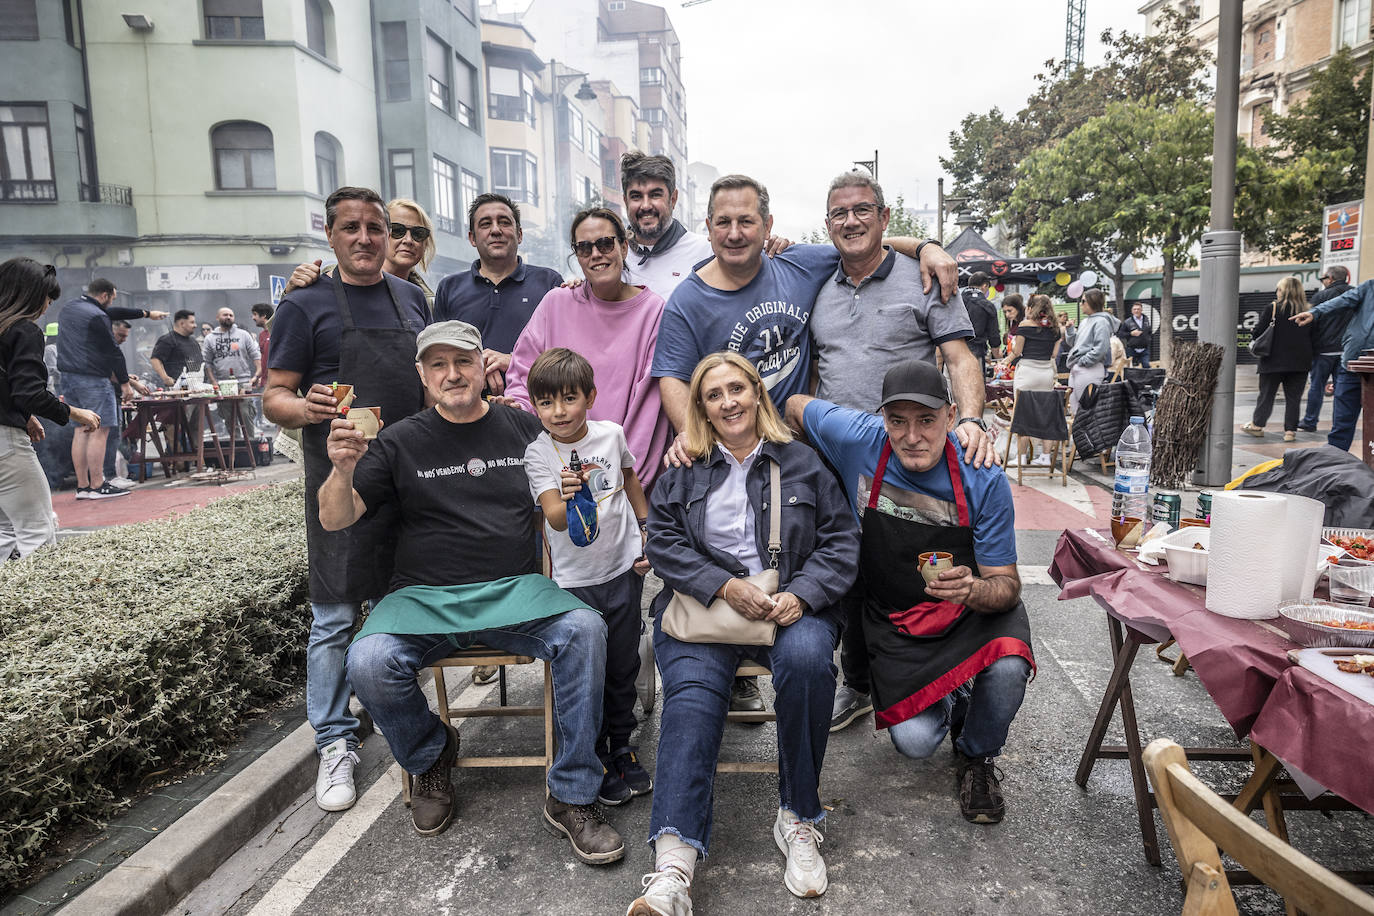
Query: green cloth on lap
423, 609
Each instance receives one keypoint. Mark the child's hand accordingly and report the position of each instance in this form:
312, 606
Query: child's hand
570, 483
642, 566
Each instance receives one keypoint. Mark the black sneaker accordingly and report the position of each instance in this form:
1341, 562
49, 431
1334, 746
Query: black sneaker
1307, 429
745, 696
105, 491
980, 792
83, 492
613, 790
626, 763
431, 794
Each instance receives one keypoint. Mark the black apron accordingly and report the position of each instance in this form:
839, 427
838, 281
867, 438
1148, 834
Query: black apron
920, 648
355, 564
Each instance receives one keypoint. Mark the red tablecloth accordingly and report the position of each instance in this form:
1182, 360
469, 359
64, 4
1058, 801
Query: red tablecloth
1305, 721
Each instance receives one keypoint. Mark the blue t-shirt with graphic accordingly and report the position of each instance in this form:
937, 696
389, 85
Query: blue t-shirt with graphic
765, 321
852, 442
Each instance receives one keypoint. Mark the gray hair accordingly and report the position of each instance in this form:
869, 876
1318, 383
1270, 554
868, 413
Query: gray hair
856, 178
735, 183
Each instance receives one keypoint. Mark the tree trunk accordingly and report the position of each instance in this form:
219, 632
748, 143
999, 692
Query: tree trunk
1166, 311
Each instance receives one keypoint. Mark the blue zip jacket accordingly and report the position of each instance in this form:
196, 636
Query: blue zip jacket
1359, 334
820, 536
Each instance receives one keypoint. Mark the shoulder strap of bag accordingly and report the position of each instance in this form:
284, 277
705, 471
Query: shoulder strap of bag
774, 514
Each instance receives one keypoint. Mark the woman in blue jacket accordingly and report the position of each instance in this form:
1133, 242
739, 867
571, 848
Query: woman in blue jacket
708, 529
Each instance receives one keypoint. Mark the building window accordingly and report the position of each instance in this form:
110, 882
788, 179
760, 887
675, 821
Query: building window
615, 6
440, 73
651, 76
243, 157
401, 163
465, 93
1258, 115
514, 174
25, 153
315, 27
89, 187
653, 115
1352, 19
395, 61
18, 20
575, 127
69, 23
239, 20
327, 163
445, 194
510, 95
472, 187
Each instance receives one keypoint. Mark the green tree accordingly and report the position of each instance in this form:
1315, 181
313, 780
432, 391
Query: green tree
1317, 159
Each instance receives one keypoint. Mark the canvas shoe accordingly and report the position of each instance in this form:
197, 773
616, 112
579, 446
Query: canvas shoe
805, 875
431, 794
334, 782
105, 491
593, 840
666, 893
980, 790
850, 704
626, 762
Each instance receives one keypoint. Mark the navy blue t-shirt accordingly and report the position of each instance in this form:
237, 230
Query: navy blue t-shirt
306, 329
499, 311
765, 321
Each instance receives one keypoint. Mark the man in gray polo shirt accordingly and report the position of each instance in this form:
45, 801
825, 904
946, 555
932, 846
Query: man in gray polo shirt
871, 315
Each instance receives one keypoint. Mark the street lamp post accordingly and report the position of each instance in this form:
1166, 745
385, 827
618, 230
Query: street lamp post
945, 206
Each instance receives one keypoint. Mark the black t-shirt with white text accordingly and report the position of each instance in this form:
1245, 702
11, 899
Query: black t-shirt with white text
466, 514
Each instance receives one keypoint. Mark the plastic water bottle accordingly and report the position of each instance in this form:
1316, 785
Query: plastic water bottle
1131, 494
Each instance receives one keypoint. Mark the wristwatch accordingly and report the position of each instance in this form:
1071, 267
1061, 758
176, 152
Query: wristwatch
924, 244
981, 424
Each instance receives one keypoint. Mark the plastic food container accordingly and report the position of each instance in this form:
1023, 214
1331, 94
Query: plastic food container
1187, 564
1301, 621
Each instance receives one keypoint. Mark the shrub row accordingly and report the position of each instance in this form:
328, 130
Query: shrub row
132, 648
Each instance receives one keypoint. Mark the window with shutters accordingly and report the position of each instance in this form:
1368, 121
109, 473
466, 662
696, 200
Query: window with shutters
18, 20
326, 164
234, 20
315, 29
243, 157
395, 61
26, 171
440, 73
465, 93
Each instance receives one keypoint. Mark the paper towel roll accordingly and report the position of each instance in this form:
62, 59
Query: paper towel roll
1301, 541
1250, 554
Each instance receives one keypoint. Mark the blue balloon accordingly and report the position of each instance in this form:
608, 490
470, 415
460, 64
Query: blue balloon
1045, 276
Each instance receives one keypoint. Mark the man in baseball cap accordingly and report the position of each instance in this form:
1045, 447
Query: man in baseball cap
936, 640
466, 572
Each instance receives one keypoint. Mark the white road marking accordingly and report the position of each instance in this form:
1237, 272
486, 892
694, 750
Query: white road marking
295, 886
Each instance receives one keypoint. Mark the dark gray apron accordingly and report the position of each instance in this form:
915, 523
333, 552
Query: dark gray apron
355, 564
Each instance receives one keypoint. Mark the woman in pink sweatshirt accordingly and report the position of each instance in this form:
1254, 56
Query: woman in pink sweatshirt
614, 325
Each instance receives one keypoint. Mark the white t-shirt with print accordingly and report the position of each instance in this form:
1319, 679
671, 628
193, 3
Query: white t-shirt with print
605, 453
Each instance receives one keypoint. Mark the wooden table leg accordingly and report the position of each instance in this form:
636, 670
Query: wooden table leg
1123, 652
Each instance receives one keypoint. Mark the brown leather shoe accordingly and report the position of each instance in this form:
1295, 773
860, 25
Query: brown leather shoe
431, 794
593, 840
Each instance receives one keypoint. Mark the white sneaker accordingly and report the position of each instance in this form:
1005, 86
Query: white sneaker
1041, 461
123, 483
334, 783
666, 893
800, 842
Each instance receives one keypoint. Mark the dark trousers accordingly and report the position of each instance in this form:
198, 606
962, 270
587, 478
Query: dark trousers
1269, 383
1324, 368
618, 601
853, 645
1345, 411
1140, 358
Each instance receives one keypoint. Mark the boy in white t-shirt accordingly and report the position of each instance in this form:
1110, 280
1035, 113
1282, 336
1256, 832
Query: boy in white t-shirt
608, 572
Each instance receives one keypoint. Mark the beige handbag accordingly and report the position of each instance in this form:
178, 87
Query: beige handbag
686, 619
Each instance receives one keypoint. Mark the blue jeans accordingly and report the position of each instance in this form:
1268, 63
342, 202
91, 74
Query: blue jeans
1323, 367
1345, 411
326, 686
696, 696
982, 708
383, 669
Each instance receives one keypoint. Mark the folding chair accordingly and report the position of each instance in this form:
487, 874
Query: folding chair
1199, 821
1040, 415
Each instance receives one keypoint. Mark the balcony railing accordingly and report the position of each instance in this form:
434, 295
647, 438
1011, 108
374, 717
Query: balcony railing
508, 108
444, 224
116, 194
27, 190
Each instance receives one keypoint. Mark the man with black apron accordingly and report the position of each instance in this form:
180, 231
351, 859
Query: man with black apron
952, 656
358, 328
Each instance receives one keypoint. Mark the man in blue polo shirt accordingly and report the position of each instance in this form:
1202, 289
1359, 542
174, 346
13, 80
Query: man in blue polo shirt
949, 652
500, 292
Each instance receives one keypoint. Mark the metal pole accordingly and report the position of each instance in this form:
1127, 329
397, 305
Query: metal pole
1219, 295
875, 165
940, 216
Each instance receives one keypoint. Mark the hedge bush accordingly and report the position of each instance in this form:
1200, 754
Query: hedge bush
134, 647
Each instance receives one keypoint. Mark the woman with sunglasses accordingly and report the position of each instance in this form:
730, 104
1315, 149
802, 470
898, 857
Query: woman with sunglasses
27, 288
612, 323
412, 245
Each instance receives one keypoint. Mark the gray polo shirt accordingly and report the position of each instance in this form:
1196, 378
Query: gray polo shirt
859, 332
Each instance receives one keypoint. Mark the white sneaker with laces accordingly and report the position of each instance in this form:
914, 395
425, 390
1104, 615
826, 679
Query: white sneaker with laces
334, 782
1041, 461
800, 842
666, 893
122, 483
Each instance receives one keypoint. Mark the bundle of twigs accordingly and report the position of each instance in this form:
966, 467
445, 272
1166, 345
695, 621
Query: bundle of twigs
1183, 411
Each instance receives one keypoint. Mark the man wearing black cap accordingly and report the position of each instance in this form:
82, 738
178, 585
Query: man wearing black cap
466, 573
951, 656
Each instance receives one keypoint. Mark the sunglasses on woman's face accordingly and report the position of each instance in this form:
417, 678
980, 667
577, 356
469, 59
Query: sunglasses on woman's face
418, 233
606, 244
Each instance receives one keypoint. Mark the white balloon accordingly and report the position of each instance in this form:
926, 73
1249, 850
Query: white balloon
1088, 277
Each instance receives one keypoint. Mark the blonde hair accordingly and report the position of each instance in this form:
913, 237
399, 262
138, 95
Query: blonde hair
430, 246
1291, 298
701, 435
